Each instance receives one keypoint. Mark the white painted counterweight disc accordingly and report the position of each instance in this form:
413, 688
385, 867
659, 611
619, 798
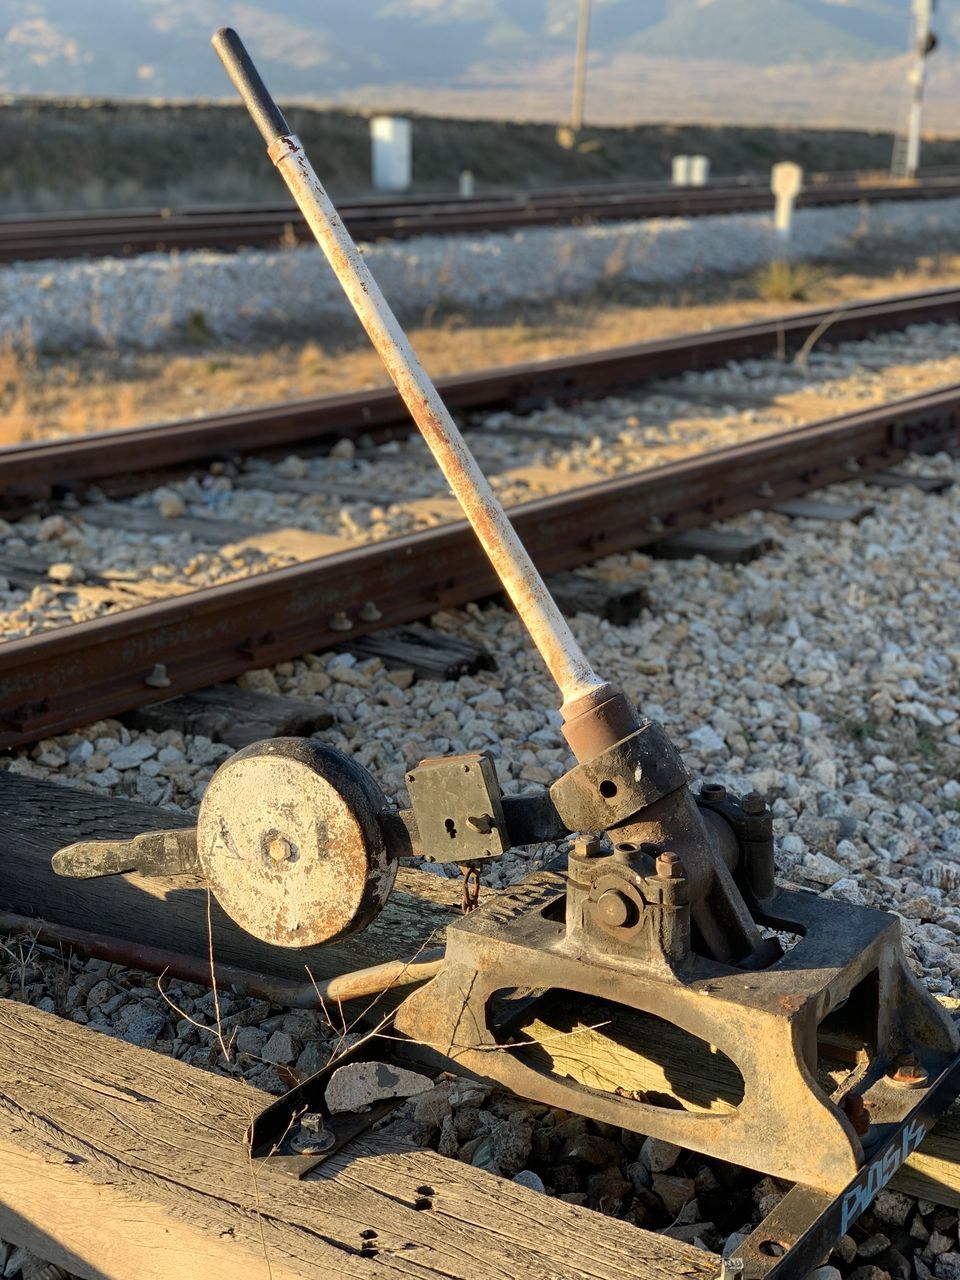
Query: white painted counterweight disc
289, 841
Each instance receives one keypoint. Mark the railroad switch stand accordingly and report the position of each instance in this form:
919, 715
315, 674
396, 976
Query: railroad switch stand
821, 1057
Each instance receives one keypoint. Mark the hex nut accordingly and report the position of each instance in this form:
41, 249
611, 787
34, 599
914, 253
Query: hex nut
587, 846
669, 866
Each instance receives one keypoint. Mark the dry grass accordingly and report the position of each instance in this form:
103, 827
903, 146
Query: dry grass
43, 396
17, 374
781, 281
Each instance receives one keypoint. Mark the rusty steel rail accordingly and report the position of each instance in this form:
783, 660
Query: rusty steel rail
230, 228
72, 675
36, 470
310, 993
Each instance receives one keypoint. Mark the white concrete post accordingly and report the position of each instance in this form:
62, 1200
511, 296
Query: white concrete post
699, 171
916, 79
391, 156
466, 184
786, 183
681, 171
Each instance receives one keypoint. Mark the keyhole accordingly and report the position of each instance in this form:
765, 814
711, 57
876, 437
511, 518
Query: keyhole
451, 828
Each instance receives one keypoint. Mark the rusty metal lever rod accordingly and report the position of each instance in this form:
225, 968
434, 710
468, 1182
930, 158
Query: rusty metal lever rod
537, 609
310, 993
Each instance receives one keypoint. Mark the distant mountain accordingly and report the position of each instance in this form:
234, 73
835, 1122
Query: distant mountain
429, 53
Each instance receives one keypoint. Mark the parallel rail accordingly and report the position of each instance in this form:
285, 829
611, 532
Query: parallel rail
233, 227
35, 470
73, 675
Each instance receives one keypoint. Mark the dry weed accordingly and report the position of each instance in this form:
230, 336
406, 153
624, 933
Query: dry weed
18, 363
782, 281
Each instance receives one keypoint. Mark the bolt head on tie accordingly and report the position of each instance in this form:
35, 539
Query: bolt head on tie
158, 678
907, 1072
731, 1268
587, 847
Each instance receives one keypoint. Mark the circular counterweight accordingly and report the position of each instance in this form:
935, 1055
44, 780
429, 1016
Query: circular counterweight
289, 841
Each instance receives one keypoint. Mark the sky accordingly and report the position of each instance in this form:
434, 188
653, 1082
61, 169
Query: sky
649, 59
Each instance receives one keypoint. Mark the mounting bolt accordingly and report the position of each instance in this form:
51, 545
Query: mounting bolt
730, 1268
587, 847
482, 825
669, 866
713, 791
907, 1072
856, 1112
279, 849
614, 908
753, 804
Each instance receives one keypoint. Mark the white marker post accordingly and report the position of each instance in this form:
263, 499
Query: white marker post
466, 184
699, 171
786, 183
680, 171
390, 146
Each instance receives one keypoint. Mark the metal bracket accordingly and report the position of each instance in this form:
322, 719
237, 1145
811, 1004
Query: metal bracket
767, 1026
620, 780
806, 1224
297, 1131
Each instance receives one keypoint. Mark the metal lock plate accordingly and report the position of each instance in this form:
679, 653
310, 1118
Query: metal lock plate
458, 810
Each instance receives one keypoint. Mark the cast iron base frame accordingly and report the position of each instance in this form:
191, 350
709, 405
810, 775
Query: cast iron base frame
767, 1022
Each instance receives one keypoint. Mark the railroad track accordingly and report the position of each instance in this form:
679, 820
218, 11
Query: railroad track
383, 571
233, 227
37, 470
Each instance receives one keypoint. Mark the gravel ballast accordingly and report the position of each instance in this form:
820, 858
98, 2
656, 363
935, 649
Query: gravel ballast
824, 674
155, 299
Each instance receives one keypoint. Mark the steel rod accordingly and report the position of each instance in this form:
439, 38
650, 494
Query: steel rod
537, 609
361, 984
580, 68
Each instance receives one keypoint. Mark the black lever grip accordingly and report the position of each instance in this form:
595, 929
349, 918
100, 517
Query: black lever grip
267, 116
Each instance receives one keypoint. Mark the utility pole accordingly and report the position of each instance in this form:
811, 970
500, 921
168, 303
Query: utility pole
580, 70
906, 157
